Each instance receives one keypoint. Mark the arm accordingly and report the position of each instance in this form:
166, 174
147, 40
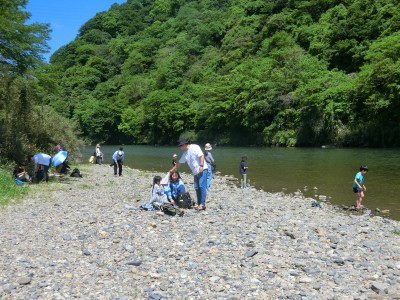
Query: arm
201, 164
361, 187
175, 167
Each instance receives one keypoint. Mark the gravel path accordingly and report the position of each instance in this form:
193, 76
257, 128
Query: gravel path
85, 238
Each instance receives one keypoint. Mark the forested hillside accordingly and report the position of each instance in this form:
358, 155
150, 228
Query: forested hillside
27, 124
256, 72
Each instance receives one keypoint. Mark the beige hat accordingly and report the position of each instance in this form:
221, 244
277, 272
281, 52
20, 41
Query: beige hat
98, 146
208, 147
175, 155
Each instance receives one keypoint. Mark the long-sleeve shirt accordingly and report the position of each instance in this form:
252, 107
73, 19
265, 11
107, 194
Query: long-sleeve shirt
158, 196
174, 188
116, 155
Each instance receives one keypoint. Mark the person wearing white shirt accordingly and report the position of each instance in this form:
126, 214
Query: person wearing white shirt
194, 157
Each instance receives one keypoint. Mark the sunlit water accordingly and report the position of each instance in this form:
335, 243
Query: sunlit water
328, 172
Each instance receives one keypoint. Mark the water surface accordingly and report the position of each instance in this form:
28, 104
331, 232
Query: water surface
314, 171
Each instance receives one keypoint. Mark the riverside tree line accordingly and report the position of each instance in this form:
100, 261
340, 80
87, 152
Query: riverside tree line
235, 72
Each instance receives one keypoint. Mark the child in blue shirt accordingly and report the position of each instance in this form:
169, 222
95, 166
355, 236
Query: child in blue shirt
243, 171
359, 187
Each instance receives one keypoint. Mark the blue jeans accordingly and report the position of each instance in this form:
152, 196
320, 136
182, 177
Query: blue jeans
209, 175
200, 186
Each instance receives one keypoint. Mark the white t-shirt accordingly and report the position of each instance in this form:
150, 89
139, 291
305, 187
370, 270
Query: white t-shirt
42, 159
192, 158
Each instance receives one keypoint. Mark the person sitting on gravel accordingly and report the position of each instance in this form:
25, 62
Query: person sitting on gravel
175, 187
158, 196
21, 173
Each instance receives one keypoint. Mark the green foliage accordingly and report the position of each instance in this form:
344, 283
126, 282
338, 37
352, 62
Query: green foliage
287, 73
21, 45
10, 191
27, 128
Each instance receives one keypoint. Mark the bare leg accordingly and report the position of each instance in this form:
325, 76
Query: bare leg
360, 197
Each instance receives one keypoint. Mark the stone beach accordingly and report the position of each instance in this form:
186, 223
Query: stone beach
85, 238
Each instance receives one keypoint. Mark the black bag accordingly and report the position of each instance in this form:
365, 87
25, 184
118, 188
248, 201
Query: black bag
170, 209
184, 200
76, 173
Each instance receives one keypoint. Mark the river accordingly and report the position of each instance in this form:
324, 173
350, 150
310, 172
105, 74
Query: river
313, 171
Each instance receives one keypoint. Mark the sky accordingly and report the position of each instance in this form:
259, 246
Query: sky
65, 17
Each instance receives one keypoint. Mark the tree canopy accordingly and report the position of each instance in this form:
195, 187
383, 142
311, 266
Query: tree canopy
286, 73
27, 125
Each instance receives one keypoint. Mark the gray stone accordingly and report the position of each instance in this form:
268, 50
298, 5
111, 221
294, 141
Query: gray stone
24, 280
134, 263
379, 287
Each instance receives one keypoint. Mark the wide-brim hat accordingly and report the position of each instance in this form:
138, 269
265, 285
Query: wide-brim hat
208, 147
182, 142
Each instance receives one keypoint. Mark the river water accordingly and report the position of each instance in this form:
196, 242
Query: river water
314, 171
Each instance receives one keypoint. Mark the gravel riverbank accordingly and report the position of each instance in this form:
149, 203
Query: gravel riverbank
84, 238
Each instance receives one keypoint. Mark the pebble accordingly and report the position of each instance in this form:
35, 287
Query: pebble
89, 240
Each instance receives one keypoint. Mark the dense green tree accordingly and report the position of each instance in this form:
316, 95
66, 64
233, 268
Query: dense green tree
27, 125
21, 44
288, 73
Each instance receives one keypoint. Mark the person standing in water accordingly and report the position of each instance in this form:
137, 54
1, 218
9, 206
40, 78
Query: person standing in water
359, 187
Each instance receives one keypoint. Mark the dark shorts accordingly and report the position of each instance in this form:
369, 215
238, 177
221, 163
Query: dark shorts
357, 190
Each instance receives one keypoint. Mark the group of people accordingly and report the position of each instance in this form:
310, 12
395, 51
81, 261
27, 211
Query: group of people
42, 164
202, 166
117, 159
166, 190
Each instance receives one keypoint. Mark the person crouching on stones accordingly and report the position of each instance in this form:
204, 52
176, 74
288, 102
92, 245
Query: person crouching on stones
42, 165
21, 173
175, 187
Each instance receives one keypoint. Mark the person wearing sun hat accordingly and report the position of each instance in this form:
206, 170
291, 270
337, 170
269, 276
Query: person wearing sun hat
194, 157
210, 163
118, 160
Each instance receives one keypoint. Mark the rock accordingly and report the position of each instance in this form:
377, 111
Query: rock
289, 234
24, 280
301, 253
379, 287
134, 263
250, 253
